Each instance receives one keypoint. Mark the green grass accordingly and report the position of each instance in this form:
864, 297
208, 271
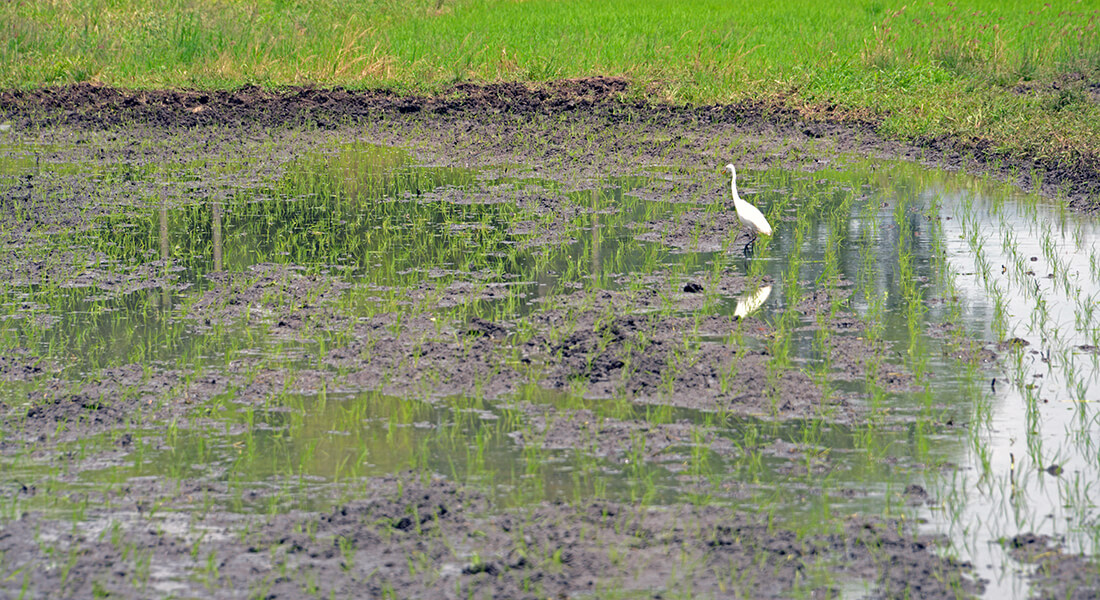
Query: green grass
977, 70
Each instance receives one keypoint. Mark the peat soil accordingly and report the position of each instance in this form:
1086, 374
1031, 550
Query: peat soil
416, 534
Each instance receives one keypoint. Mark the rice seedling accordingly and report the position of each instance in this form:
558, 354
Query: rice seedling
357, 268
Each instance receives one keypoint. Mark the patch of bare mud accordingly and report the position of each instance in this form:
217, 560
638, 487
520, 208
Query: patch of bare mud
435, 539
699, 231
290, 302
115, 399
1057, 573
20, 365
410, 355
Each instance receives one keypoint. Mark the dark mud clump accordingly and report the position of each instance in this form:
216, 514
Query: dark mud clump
1057, 574
20, 366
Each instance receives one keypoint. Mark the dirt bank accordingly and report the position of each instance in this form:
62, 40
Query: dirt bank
95, 107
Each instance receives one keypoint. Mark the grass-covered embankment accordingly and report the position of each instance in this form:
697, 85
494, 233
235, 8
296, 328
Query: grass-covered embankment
1019, 79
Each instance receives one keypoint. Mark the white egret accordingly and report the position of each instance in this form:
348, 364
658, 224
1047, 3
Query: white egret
750, 301
749, 215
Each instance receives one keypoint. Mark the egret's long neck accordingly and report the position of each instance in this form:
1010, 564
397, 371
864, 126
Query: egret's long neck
733, 184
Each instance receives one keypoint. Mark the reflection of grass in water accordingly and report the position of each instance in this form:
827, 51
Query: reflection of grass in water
893, 255
384, 245
1021, 259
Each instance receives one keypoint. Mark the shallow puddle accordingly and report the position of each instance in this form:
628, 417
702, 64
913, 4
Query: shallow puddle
888, 286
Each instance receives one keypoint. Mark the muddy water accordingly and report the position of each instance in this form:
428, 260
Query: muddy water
887, 286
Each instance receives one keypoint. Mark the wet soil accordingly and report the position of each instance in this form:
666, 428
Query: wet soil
417, 538
790, 132
1057, 573
410, 536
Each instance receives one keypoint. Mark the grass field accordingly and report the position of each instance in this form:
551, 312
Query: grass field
1018, 77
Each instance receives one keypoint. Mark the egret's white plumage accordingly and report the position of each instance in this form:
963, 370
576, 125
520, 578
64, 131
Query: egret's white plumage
750, 301
749, 214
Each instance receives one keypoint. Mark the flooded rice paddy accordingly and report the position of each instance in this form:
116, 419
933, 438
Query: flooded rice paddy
912, 350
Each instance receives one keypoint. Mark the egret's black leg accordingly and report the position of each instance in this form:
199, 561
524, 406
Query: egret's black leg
749, 246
